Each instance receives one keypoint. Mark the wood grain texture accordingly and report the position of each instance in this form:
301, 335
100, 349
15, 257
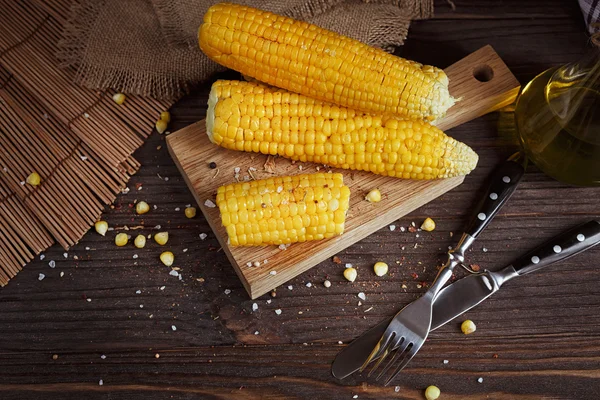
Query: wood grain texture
545, 327
481, 81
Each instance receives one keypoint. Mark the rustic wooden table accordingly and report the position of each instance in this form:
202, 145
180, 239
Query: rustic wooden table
111, 322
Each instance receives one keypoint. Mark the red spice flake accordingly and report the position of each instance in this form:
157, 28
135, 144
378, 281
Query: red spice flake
495, 356
337, 260
475, 267
414, 275
138, 185
412, 229
425, 284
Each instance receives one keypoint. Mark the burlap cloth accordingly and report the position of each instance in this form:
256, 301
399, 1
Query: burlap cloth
149, 47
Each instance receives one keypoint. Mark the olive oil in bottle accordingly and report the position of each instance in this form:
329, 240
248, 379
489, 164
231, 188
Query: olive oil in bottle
558, 123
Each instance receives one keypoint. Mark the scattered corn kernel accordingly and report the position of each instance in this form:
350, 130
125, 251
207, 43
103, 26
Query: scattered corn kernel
142, 207
167, 258
468, 327
140, 241
374, 196
119, 98
34, 179
161, 126
380, 268
350, 274
161, 238
121, 239
165, 116
190, 212
432, 393
428, 225
101, 227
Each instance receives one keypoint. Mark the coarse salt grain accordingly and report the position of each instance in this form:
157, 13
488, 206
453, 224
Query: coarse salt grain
88, 300
397, 389
203, 236
282, 247
392, 228
446, 361
103, 357
135, 256
177, 209
162, 287
138, 292
290, 287
402, 229
480, 380
256, 332
62, 274
278, 311
362, 296
209, 203
273, 273
42, 257
227, 291
100, 382
185, 250
309, 284
52, 264
254, 306
87, 248
141, 306
484, 250
173, 273
269, 301
41, 277
348, 265
174, 328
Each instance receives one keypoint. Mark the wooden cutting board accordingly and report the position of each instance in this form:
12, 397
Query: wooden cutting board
481, 80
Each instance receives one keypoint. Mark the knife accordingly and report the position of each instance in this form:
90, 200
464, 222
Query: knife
466, 293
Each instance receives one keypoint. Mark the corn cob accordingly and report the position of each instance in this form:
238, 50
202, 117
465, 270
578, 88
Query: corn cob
257, 118
284, 210
318, 63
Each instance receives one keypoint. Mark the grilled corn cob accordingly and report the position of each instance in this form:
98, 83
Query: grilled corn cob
257, 118
315, 62
284, 210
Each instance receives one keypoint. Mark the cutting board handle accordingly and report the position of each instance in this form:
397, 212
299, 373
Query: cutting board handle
483, 83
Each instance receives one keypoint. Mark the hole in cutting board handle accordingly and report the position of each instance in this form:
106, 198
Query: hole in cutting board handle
483, 73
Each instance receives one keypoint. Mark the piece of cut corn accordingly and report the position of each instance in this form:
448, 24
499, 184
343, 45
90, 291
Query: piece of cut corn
283, 210
322, 64
257, 118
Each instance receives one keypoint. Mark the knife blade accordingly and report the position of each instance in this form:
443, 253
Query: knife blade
466, 293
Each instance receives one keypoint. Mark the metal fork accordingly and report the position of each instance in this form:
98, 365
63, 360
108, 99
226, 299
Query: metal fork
409, 328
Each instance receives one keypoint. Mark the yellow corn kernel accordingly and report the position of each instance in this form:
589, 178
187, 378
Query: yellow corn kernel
284, 210
322, 64
165, 116
121, 239
380, 268
101, 227
161, 126
142, 207
119, 98
190, 212
140, 241
304, 129
468, 327
428, 225
432, 393
161, 238
167, 258
34, 179
350, 274
374, 196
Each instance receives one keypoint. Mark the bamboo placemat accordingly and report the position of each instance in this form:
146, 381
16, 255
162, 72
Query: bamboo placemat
79, 140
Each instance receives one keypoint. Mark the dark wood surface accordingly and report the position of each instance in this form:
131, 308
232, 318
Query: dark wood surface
539, 337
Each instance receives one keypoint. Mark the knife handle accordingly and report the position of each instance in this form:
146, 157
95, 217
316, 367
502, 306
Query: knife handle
502, 184
559, 248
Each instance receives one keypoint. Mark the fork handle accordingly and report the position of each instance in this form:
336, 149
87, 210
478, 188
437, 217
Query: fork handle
502, 184
561, 247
